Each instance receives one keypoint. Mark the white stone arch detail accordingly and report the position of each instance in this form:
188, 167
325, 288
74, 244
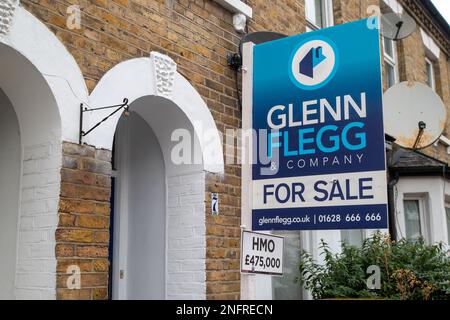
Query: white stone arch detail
31, 38
154, 76
53, 69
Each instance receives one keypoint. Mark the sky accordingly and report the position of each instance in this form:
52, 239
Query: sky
444, 8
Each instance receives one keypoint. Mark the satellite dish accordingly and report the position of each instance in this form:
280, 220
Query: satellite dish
260, 37
413, 114
397, 26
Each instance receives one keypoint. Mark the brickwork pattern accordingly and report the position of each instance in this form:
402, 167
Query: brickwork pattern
82, 236
36, 267
186, 243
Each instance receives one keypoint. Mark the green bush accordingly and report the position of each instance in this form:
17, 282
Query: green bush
410, 269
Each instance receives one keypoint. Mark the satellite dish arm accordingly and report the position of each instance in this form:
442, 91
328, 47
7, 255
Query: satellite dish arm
422, 126
399, 26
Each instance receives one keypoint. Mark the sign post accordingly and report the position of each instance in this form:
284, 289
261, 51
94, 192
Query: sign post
316, 102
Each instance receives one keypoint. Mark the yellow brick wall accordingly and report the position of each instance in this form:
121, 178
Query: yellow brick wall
82, 236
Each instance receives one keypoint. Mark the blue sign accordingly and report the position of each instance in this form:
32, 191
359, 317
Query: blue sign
317, 111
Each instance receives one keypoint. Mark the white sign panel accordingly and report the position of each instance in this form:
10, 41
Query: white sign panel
262, 253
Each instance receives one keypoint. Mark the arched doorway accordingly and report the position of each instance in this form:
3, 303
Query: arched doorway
139, 212
172, 215
41, 85
30, 177
10, 168
158, 206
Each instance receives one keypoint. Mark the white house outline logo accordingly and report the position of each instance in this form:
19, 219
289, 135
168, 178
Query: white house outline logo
313, 63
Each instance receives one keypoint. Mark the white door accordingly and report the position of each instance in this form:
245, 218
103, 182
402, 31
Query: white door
10, 165
139, 259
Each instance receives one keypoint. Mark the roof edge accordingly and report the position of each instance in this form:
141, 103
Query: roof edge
436, 15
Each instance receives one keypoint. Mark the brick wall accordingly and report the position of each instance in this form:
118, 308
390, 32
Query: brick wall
286, 16
36, 268
197, 34
186, 243
82, 236
411, 60
223, 237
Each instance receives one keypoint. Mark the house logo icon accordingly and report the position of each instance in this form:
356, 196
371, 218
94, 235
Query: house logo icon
313, 63
312, 59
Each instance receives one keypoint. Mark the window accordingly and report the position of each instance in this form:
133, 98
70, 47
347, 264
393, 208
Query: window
388, 47
285, 287
353, 237
430, 73
413, 226
390, 62
314, 10
447, 218
319, 14
390, 74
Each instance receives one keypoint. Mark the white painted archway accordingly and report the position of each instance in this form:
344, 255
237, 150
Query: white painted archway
155, 76
43, 83
33, 40
165, 101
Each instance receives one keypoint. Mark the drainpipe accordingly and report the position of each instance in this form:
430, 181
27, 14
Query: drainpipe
393, 180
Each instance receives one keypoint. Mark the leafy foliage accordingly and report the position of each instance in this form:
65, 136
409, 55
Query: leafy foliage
410, 270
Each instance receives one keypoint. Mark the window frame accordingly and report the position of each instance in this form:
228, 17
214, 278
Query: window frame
327, 16
391, 60
361, 231
430, 62
424, 222
447, 221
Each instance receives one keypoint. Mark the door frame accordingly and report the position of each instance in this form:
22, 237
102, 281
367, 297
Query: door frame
120, 231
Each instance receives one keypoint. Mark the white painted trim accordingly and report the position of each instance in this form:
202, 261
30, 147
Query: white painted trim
422, 200
327, 16
433, 192
445, 141
394, 5
447, 222
247, 280
428, 42
391, 60
120, 232
433, 81
236, 6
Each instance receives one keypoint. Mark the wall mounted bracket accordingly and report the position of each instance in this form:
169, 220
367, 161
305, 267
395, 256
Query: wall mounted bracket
83, 109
